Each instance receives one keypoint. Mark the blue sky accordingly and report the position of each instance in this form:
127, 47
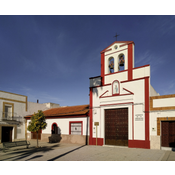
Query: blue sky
51, 58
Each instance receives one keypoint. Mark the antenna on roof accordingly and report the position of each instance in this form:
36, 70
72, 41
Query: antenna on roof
116, 36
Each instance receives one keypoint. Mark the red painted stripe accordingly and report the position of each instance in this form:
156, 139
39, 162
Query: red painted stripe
132, 121
99, 141
128, 91
66, 116
141, 66
125, 43
147, 109
116, 72
115, 95
117, 104
134, 79
129, 42
130, 61
90, 116
139, 144
102, 69
103, 94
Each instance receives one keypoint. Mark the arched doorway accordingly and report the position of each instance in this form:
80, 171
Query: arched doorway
54, 128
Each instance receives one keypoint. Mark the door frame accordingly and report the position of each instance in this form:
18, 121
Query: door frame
105, 123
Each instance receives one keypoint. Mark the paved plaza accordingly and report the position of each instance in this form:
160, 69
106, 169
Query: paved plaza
75, 152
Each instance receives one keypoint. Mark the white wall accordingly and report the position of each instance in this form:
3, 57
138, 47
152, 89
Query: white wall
141, 72
112, 102
34, 107
63, 124
164, 102
120, 76
153, 92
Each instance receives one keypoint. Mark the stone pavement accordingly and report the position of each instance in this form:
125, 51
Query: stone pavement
75, 152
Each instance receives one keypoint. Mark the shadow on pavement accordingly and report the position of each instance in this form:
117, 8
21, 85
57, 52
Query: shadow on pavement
17, 155
65, 153
34, 157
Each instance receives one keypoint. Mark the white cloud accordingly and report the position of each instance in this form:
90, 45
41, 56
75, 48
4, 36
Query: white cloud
166, 24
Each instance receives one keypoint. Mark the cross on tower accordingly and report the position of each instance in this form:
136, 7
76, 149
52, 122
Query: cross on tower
116, 36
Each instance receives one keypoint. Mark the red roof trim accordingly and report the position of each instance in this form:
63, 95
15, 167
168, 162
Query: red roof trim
126, 43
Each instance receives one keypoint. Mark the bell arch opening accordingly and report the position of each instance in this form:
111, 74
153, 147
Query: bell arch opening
111, 64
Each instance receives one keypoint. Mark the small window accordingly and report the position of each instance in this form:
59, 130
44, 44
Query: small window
8, 111
76, 128
115, 47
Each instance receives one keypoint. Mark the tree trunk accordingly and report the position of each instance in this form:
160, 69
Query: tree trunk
37, 139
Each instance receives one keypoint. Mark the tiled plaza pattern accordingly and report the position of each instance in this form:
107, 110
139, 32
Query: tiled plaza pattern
75, 152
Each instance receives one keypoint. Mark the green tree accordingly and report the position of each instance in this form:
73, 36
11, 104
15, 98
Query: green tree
37, 123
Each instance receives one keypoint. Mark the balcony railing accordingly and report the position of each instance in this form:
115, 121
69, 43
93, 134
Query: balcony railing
9, 116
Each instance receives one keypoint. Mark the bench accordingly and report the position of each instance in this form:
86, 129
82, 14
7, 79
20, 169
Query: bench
15, 144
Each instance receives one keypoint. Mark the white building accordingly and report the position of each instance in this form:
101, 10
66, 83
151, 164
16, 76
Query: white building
68, 124
124, 107
13, 108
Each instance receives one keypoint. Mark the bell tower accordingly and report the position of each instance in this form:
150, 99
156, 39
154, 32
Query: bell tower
117, 57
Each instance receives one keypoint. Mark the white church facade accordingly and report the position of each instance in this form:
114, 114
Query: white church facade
125, 110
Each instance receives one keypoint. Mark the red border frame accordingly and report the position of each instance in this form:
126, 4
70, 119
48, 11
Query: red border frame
53, 124
118, 88
75, 122
128, 116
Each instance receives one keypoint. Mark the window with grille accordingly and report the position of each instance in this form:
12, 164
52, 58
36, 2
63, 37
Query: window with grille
75, 128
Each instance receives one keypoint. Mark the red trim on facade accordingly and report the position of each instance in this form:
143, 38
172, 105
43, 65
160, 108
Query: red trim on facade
128, 116
134, 79
133, 121
115, 95
75, 122
116, 72
105, 51
115, 52
102, 69
139, 144
117, 104
128, 91
68, 116
99, 141
53, 124
90, 116
147, 109
118, 88
130, 42
130, 61
126, 43
103, 94
141, 66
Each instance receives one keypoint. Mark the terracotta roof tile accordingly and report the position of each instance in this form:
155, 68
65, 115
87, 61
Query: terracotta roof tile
63, 111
